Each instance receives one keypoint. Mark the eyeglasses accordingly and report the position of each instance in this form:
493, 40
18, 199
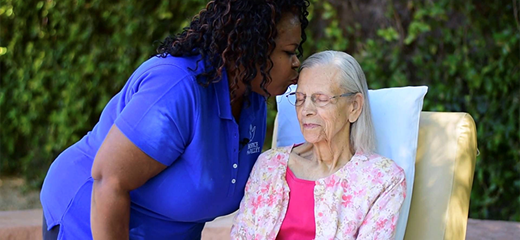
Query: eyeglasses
320, 100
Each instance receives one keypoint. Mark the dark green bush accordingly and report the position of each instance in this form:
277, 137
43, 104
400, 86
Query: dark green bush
61, 61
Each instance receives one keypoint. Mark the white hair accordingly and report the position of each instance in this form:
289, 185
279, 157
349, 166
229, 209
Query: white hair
352, 79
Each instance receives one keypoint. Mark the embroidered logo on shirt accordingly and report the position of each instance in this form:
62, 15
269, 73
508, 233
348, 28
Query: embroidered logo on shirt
252, 131
252, 147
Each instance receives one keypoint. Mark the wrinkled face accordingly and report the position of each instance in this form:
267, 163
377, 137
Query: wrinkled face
286, 63
322, 123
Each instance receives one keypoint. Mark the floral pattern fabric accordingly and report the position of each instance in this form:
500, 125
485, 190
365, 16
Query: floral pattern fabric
360, 201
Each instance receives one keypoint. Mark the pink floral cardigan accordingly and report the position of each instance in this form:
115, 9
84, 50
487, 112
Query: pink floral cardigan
359, 201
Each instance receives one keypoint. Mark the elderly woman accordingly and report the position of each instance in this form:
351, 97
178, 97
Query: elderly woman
333, 186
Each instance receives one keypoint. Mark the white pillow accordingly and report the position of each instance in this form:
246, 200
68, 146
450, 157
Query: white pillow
395, 113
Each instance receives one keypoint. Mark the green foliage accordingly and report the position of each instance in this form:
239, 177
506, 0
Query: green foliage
61, 61
467, 52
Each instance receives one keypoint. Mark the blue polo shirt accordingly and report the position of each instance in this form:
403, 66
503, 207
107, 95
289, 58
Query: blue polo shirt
187, 127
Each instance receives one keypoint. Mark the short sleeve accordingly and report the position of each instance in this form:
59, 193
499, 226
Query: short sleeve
159, 112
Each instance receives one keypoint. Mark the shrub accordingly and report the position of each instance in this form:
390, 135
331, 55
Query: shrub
61, 62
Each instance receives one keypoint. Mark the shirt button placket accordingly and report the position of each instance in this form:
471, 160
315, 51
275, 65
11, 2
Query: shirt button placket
235, 157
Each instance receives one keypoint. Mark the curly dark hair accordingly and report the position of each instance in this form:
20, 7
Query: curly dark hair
242, 32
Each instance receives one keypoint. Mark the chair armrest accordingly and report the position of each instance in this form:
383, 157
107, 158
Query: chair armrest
444, 169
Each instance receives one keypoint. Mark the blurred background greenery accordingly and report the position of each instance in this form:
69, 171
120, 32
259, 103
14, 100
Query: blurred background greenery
61, 61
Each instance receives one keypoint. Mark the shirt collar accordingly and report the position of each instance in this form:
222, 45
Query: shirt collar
256, 101
224, 107
222, 96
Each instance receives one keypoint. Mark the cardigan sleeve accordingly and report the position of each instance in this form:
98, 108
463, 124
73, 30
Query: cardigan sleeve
381, 220
265, 198
244, 224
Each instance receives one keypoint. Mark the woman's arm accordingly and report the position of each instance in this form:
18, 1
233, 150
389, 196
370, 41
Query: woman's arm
119, 167
381, 220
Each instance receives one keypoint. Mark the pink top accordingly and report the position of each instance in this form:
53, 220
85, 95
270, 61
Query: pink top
359, 201
299, 220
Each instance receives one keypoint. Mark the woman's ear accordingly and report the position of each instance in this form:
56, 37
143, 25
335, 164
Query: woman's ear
356, 106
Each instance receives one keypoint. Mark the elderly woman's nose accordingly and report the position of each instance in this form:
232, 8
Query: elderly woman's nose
308, 108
